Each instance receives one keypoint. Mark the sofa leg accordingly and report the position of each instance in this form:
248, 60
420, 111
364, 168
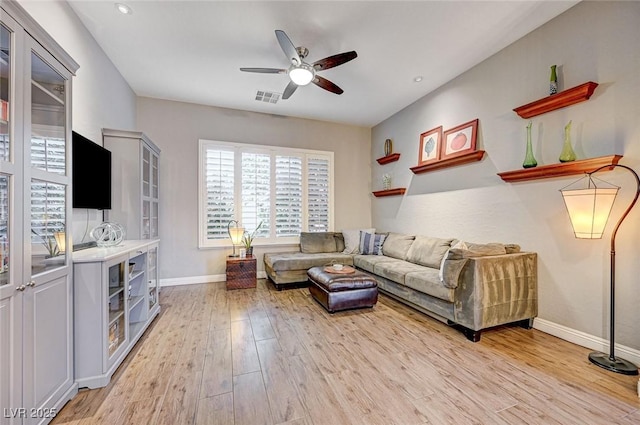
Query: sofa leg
526, 323
473, 336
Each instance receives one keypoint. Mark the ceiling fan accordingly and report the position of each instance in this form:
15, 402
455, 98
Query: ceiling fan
301, 72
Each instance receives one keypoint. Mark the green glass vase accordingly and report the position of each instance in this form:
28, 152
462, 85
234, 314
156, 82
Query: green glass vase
553, 81
567, 154
529, 159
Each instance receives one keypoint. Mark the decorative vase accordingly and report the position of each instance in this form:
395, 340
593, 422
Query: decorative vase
249, 252
388, 147
553, 81
529, 160
386, 182
567, 154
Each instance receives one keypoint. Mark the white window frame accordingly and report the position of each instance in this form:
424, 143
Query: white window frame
238, 149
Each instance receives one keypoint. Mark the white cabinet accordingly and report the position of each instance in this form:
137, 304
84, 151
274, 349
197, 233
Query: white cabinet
115, 300
36, 328
135, 192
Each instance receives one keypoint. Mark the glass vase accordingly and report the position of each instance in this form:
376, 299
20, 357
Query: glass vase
553, 81
567, 154
529, 160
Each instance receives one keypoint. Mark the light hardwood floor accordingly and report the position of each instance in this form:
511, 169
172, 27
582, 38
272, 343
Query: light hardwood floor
259, 356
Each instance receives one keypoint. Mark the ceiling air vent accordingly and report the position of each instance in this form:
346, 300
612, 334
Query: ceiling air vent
267, 96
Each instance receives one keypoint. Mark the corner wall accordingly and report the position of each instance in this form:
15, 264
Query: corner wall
176, 128
593, 41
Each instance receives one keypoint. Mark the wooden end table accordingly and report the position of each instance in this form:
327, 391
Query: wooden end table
241, 272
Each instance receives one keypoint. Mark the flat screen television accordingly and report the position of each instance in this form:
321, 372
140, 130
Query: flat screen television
91, 174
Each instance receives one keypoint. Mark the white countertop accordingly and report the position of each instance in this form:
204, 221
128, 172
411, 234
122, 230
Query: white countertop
99, 254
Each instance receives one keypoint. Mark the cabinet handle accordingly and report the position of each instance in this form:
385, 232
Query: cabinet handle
32, 284
21, 287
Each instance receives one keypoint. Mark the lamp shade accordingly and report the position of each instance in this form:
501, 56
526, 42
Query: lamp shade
589, 209
235, 233
61, 240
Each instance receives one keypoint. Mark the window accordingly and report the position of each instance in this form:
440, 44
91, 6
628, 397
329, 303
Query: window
287, 190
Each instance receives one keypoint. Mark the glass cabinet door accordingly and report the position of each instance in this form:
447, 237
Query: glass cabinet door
48, 164
153, 276
116, 323
5, 151
146, 171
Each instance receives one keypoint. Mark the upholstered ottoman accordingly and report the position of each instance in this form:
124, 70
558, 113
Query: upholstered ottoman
342, 291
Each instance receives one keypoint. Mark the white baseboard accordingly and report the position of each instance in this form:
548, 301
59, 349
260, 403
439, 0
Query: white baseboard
585, 340
192, 280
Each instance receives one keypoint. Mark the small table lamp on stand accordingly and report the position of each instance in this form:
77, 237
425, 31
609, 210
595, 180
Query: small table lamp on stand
235, 234
589, 210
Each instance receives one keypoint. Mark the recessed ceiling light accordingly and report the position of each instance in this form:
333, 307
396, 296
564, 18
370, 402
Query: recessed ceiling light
418, 79
124, 9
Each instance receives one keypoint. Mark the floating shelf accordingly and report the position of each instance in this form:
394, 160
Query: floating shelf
449, 162
390, 192
559, 170
556, 101
389, 158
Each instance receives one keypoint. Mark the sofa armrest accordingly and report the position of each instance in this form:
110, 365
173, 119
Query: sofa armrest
496, 290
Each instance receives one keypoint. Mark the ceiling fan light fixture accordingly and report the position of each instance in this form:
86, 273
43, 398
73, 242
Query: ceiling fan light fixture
302, 75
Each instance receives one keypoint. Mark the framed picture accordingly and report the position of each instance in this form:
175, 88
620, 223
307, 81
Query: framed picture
430, 142
459, 140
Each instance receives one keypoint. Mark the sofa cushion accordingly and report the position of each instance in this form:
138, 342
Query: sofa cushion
371, 244
469, 250
428, 282
352, 240
428, 251
302, 261
397, 245
368, 262
313, 243
396, 270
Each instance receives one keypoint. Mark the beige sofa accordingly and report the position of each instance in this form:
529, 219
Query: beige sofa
470, 286
289, 269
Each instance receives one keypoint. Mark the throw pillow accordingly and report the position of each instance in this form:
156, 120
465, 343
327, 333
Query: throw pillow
371, 243
397, 245
458, 245
352, 240
428, 251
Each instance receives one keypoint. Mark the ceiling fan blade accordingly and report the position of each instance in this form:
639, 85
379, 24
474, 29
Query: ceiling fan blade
288, 91
265, 70
288, 48
327, 85
334, 60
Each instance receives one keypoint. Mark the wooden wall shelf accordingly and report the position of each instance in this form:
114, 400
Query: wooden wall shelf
389, 158
390, 192
556, 101
448, 162
559, 170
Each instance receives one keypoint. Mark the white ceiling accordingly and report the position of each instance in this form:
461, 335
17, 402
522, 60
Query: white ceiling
191, 51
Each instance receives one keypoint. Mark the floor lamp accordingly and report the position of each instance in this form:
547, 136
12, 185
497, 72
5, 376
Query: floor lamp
589, 210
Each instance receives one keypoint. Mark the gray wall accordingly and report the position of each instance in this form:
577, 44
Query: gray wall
101, 97
593, 41
176, 128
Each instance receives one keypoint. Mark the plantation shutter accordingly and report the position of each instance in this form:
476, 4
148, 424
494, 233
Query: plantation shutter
256, 192
219, 181
318, 185
288, 189
48, 153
